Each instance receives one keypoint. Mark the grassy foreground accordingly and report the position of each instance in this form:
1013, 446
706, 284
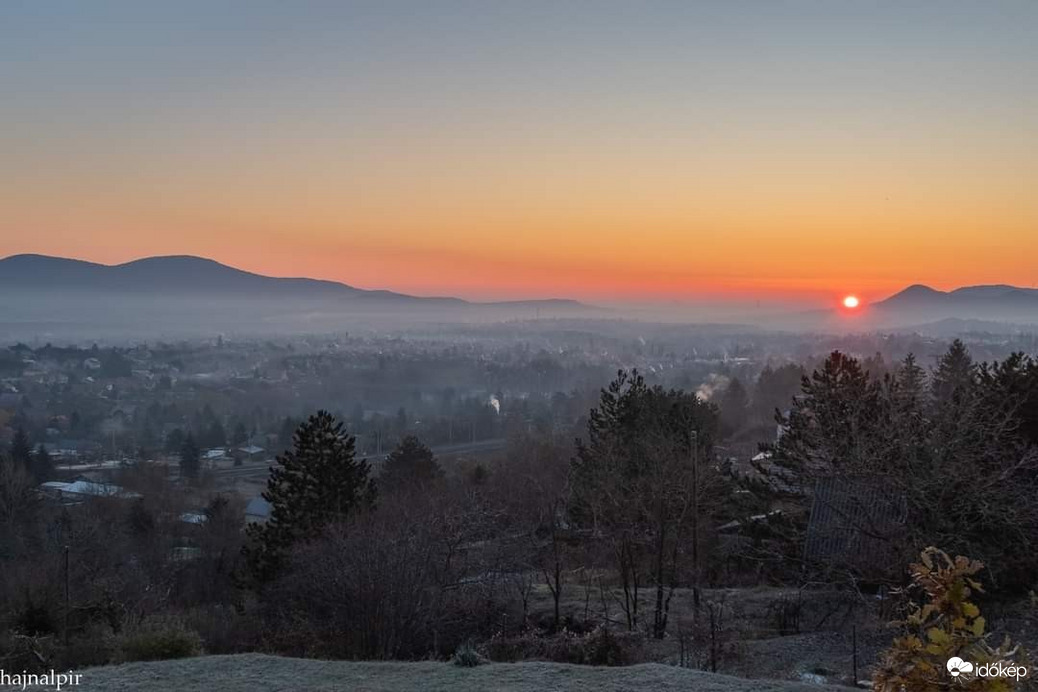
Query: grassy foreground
260, 673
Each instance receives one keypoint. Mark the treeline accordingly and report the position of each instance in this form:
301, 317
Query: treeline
406, 560
954, 451
623, 528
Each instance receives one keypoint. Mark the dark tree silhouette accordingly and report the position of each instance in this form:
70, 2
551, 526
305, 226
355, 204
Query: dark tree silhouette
954, 376
734, 405
21, 450
410, 465
41, 466
958, 456
190, 457
315, 483
646, 481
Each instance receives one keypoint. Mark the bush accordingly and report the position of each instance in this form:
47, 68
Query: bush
466, 656
224, 630
599, 647
946, 627
93, 646
34, 619
159, 640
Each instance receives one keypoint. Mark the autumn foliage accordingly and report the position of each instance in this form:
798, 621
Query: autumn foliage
945, 625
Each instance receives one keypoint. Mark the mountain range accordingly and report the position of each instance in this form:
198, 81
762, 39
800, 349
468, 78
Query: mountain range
922, 304
186, 275
53, 298
186, 295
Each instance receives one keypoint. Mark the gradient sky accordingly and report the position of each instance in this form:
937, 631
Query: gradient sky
599, 150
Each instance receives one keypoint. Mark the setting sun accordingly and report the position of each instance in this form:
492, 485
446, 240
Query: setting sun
850, 302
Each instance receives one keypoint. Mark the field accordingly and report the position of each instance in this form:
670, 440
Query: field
259, 673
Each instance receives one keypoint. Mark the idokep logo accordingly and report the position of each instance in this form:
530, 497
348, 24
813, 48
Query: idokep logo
1000, 669
956, 666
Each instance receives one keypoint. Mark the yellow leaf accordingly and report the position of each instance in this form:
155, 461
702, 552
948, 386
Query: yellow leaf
937, 635
970, 610
912, 642
978, 627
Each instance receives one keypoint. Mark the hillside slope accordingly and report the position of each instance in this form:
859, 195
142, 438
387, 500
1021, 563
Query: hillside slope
259, 673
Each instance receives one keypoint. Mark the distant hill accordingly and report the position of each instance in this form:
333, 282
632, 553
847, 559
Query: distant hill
189, 275
922, 304
62, 299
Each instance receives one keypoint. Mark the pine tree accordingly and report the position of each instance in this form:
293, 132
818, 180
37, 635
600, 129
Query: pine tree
911, 381
41, 466
214, 435
954, 376
21, 450
646, 480
174, 441
734, 407
834, 426
190, 457
317, 482
840, 425
241, 435
411, 464
19, 500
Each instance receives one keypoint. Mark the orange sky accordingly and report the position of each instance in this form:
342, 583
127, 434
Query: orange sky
778, 160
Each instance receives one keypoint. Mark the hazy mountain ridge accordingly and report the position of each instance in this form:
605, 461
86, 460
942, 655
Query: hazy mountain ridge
185, 296
919, 294
191, 275
989, 303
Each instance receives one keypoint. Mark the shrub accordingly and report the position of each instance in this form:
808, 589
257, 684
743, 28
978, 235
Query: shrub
159, 640
34, 619
602, 648
466, 656
945, 627
599, 647
93, 646
225, 630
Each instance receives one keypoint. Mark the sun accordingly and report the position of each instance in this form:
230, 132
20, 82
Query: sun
850, 302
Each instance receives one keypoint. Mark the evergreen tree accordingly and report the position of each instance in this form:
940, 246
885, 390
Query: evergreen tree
1011, 386
966, 467
41, 466
190, 457
954, 376
774, 390
287, 432
140, 519
174, 441
241, 435
317, 482
836, 425
645, 479
734, 405
911, 381
410, 465
21, 450
213, 435
19, 501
